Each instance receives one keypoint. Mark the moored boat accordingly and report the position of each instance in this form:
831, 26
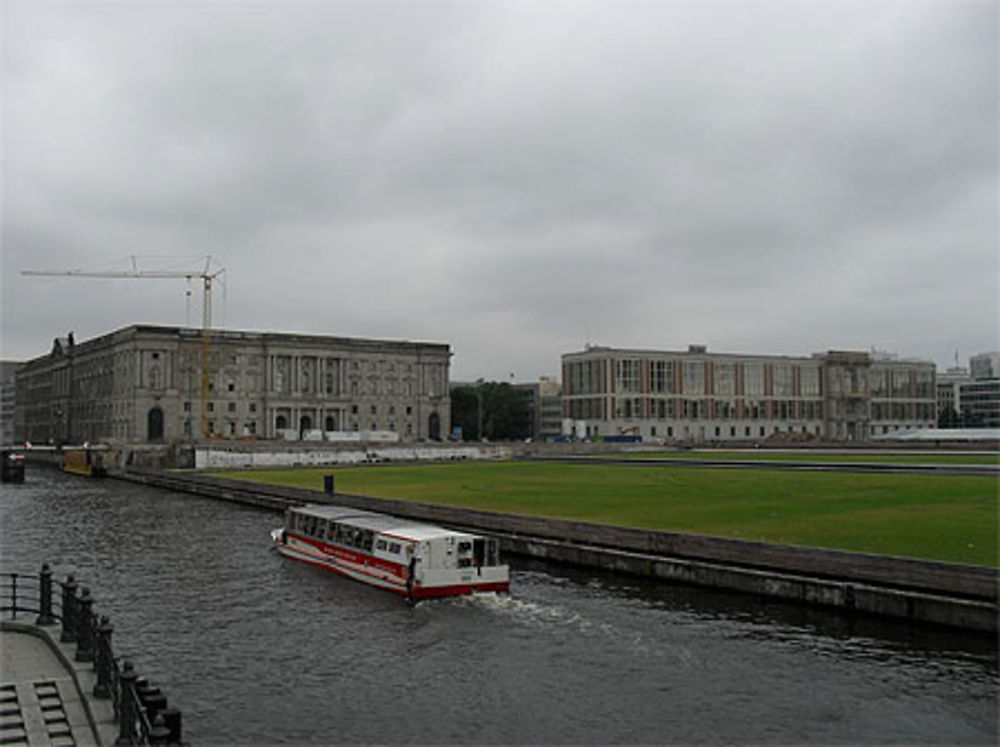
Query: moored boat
84, 460
418, 561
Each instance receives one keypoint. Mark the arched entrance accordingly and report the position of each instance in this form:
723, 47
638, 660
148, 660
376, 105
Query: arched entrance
154, 425
305, 424
331, 423
434, 427
280, 423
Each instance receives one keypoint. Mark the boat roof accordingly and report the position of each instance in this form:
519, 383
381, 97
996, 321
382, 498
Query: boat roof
380, 523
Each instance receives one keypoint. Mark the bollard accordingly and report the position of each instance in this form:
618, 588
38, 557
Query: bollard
69, 611
172, 720
126, 706
158, 732
328, 484
45, 597
104, 659
144, 690
155, 704
85, 627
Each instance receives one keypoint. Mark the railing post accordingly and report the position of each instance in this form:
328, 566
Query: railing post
103, 659
126, 706
69, 611
13, 595
85, 627
45, 597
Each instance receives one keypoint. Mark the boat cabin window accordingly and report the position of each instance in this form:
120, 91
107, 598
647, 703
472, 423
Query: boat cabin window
394, 548
380, 544
464, 547
464, 562
492, 552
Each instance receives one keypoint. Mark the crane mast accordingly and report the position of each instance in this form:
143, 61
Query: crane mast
207, 274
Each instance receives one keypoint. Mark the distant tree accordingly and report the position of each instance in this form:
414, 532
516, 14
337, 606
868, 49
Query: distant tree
948, 418
504, 414
465, 411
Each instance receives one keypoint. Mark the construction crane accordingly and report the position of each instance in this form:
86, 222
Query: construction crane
207, 274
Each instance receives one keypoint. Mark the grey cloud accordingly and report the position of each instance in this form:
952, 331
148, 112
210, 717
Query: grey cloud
527, 173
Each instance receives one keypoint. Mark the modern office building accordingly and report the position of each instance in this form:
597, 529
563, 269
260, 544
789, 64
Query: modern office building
544, 402
985, 366
169, 384
949, 389
698, 396
973, 394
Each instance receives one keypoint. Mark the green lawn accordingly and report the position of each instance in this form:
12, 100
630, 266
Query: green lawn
819, 456
929, 516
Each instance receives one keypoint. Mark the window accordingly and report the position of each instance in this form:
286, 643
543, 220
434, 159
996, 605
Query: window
232, 407
753, 377
658, 380
782, 380
374, 409
809, 381
253, 407
187, 407
211, 407
694, 377
628, 376
724, 379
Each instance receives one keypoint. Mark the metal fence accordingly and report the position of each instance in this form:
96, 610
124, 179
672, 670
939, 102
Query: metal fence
140, 709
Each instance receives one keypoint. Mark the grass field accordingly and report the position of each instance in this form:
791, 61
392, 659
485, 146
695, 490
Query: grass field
928, 516
817, 456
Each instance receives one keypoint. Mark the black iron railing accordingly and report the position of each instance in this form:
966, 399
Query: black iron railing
140, 709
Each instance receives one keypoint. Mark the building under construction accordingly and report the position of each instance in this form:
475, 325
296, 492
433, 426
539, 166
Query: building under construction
173, 384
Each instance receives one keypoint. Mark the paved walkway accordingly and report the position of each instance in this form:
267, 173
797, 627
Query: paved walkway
44, 696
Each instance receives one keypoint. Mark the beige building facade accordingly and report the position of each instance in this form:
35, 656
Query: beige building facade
146, 384
698, 396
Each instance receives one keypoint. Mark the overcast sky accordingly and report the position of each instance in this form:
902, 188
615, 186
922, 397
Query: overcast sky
514, 179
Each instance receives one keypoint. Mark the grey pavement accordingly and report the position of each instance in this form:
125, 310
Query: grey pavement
44, 695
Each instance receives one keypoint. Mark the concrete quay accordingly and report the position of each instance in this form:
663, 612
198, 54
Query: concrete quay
45, 695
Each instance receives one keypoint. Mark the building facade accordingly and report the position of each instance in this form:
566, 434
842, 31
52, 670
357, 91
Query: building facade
8, 400
985, 366
543, 399
697, 396
170, 384
972, 395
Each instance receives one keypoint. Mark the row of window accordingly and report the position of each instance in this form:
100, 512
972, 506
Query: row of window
332, 532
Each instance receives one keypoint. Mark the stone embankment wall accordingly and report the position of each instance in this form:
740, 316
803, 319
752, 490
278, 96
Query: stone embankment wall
919, 590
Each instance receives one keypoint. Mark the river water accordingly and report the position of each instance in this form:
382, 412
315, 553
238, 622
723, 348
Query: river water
258, 649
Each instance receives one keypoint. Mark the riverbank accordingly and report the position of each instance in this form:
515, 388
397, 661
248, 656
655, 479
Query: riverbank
951, 594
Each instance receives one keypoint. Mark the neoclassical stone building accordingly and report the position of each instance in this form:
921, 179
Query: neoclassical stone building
145, 384
701, 396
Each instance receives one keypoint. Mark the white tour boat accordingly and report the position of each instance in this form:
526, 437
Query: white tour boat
419, 561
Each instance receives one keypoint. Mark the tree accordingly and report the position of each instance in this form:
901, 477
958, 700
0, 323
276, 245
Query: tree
948, 418
501, 409
465, 411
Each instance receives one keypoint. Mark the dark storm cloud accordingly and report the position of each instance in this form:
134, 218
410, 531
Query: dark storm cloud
516, 179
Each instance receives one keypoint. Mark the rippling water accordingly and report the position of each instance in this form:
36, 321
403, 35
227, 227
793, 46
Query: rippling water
258, 649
